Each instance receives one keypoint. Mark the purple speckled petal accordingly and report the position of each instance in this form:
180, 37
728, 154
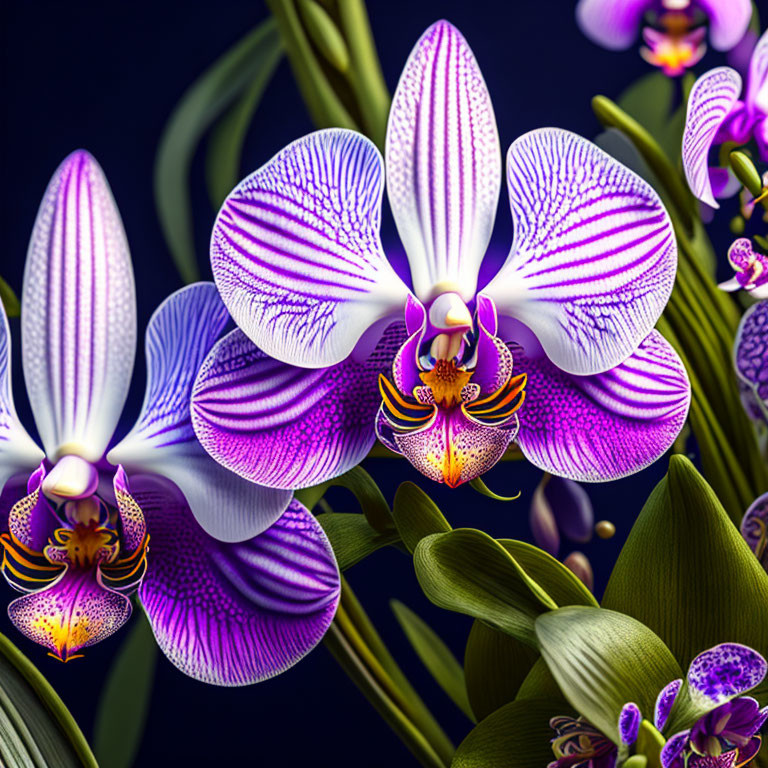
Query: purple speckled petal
602, 427
132, 521
673, 749
750, 354
629, 723
18, 452
613, 24
594, 256
76, 611
754, 528
405, 368
443, 163
725, 671
32, 520
664, 702
728, 21
282, 426
454, 449
711, 99
757, 82
78, 312
296, 252
235, 614
181, 333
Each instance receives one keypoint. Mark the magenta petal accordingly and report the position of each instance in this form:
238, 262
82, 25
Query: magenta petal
757, 82
725, 671
750, 355
78, 312
18, 452
296, 253
283, 426
602, 427
73, 613
728, 21
235, 614
594, 255
613, 24
709, 104
443, 163
32, 520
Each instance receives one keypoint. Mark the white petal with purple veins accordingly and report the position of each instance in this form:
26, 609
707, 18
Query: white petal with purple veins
78, 312
710, 101
594, 256
757, 85
296, 252
443, 163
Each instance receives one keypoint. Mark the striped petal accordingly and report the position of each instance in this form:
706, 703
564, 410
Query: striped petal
18, 452
613, 24
607, 426
180, 334
750, 358
296, 252
594, 256
728, 21
757, 83
711, 99
78, 312
253, 609
443, 163
283, 426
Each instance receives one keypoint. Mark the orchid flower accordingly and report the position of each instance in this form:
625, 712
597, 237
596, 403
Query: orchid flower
238, 581
717, 115
754, 528
750, 359
751, 269
673, 30
558, 351
726, 735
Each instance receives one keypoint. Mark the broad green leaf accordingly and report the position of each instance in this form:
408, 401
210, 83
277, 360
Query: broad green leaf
124, 703
416, 515
9, 299
352, 537
495, 665
469, 572
225, 144
603, 659
539, 683
516, 736
435, 655
479, 485
36, 729
686, 572
202, 103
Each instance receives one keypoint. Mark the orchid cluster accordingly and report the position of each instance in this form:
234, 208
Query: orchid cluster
600, 344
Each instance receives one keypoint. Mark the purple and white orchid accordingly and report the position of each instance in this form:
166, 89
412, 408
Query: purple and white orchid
726, 734
238, 581
750, 360
557, 352
751, 268
716, 115
673, 30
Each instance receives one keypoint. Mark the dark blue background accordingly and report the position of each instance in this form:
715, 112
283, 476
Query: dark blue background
105, 76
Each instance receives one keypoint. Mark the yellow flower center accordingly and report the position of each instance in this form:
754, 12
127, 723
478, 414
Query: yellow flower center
446, 381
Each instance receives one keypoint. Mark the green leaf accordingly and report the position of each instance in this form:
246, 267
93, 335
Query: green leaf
603, 659
201, 104
495, 665
36, 729
435, 655
469, 572
416, 515
686, 572
124, 703
324, 34
539, 683
225, 144
479, 485
516, 736
9, 299
352, 538
649, 743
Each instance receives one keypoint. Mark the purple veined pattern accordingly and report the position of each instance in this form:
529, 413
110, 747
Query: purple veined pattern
709, 104
642, 404
78, 312
593, 260
18, 452
757, 82
296, 253
750, 359
236, 614
442, 118
180, 334
284, 426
